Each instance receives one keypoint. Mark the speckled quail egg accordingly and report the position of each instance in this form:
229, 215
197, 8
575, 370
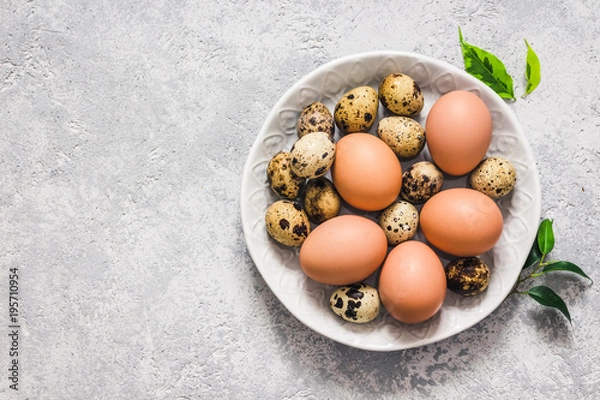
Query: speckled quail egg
357, 303
321, 200
494, 176
421, 181
400, 94
399, 221
404, 135
312, 155
287, 223
315, 117
357, 110
281, 178
467, 276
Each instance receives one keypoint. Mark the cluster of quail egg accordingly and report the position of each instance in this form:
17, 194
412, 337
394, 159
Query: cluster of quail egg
298, 177
306, 195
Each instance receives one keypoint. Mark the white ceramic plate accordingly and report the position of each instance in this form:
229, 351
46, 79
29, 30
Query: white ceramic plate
308, 300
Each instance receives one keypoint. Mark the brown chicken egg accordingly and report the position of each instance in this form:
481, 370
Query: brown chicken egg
366, 172
412, 283
343, 250
459, 131
461, 221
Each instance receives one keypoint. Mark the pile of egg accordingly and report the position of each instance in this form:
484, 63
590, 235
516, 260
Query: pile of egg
366, 176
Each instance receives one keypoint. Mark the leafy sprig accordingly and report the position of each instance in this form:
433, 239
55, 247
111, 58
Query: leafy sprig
490, 70
533, 71
536, 265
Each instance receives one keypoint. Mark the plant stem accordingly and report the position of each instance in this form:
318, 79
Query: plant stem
541, 264
533, 274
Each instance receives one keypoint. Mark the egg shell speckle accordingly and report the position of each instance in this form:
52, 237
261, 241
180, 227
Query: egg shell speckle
358, 303
315, 117
399, 221
400, 94
495, 177
312, 155
467, 276
287, 223
321, 200
421, 181
404, 135
357, 110
281, 178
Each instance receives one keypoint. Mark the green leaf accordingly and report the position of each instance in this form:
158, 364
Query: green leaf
532, 71
548, 297
488, 68
535, 255
565, 266
545, 236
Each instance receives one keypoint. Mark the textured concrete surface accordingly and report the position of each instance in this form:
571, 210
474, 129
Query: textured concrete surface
124, 127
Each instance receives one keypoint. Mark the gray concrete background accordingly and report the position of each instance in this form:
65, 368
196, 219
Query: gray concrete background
124, 128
